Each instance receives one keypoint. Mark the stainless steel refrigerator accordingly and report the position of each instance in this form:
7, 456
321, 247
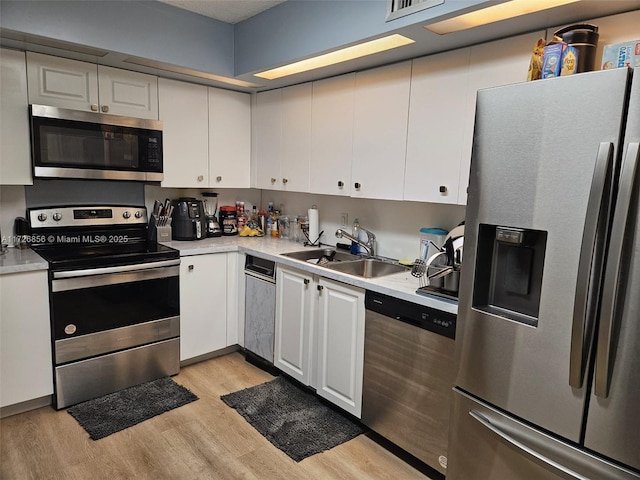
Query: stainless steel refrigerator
548, 332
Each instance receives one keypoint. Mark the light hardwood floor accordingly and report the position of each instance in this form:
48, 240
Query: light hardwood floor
202, 440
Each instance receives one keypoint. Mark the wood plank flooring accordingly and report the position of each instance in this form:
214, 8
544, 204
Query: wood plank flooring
202, 440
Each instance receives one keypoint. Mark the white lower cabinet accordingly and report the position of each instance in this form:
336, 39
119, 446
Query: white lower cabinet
26, 371
340, 345
294, 323
319, 335
203, 304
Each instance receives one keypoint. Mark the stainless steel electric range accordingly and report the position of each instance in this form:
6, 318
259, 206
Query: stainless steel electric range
114, 299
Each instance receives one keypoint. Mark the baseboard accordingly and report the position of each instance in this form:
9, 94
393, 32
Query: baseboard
22, 407
207, 356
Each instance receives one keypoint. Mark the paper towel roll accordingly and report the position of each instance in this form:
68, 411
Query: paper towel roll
313, 224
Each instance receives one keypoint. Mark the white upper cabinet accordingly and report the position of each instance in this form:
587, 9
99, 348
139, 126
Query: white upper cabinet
434, 144
332, 135
492, 64
126, 93
65, 83
61, 82
380, 131
229, 138
283, 138
15, 154
268, 139
296, 138
185, 115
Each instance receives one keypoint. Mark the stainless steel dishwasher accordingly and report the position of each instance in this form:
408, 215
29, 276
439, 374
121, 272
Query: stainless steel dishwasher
260, 308
409, 375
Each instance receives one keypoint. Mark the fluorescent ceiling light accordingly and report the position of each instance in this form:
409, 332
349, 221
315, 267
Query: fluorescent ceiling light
338, 56
495, 13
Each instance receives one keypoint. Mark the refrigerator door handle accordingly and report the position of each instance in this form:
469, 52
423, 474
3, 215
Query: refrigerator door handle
567, 472
628, 180
583, 326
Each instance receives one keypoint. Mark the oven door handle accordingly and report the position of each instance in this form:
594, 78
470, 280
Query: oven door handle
119, 269
104, 278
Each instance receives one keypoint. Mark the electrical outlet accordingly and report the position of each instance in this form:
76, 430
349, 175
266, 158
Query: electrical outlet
344, 219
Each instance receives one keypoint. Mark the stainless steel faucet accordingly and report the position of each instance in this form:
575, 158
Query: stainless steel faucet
369, 245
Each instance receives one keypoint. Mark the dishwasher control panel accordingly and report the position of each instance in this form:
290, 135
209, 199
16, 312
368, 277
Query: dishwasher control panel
427, 318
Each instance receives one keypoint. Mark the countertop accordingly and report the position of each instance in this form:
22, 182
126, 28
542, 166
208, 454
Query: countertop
400, 285
21, 260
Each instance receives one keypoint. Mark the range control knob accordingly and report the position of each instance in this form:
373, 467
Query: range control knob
57, 216
42, 217
138, 214
126, 214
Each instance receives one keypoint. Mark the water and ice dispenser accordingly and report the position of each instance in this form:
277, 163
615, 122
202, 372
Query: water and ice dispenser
509, 268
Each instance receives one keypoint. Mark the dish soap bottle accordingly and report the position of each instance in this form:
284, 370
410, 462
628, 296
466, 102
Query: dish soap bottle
355, 248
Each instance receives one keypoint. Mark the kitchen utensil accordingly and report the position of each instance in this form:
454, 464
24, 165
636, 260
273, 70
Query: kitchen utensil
449, 251
327, 258
418, 270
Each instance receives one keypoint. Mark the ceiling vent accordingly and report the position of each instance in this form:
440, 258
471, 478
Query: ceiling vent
400, 8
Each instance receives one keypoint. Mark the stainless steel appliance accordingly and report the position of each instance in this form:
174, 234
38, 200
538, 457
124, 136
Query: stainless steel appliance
548, 337
210, 209
408, 375
75, 144
114, 299
260, 307
189, 221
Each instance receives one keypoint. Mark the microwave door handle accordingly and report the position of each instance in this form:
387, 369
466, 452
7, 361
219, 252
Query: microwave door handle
628, 181
582, 328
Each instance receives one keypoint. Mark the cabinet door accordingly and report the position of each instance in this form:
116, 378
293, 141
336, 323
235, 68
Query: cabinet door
126, 93
15, 155
434, 144
380, 131
341, 345
332, 135
184, 112
294, 321
268, 139
229, 138
26, 370
492, 64
203, 304
61, 82
296, 138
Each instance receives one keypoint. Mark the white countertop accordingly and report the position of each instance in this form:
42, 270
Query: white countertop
21, 260
400, 285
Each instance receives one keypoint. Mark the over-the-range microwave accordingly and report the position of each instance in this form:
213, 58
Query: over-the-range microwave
75, 144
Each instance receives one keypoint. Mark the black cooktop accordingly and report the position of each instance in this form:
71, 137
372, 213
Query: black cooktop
86, 237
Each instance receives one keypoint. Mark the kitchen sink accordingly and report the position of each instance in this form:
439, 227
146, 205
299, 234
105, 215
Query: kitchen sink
367, 267
317, 253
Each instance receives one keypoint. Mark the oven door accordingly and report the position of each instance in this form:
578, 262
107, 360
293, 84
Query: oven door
114, 327
74, 144
101, 310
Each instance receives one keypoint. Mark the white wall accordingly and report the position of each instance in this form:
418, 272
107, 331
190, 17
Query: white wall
395, 224
12, 205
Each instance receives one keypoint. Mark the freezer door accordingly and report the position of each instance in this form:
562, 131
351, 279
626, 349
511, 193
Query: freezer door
485, 444
613, 422
544, 154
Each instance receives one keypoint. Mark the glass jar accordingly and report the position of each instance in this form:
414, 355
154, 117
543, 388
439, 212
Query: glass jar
284, 227
228, 220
